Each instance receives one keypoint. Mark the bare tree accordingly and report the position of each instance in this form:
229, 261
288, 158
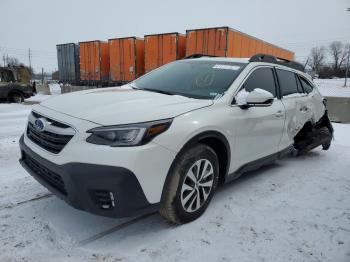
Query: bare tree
338, 53
12, 61
316, 58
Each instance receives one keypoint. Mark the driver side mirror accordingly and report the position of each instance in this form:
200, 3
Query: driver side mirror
258, 96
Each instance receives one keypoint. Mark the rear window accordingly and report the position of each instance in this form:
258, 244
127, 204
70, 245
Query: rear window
287, 82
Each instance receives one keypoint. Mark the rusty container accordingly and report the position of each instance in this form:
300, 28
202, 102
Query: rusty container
126, 59
94, 61
161, 49
228, 42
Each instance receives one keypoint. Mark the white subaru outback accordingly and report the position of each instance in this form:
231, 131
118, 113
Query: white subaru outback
165, 141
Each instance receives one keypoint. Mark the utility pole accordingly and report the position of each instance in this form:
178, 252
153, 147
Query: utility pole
30, 61
347, 68
42, 76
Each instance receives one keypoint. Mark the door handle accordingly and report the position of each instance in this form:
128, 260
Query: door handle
279, 114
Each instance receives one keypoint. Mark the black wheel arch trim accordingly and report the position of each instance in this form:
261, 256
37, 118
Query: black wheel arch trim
195, 140
15, 91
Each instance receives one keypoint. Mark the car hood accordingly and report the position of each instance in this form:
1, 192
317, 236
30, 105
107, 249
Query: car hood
122, 105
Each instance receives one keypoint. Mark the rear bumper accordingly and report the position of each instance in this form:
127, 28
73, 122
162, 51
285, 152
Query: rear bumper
98, 189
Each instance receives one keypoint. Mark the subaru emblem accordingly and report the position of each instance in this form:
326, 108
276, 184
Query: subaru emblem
39, 124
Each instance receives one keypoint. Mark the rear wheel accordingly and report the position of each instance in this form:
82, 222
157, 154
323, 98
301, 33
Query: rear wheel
192, 184
324, 131
15, 97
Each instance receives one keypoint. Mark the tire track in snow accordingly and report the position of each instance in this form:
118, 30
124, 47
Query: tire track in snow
10, 206
114, 229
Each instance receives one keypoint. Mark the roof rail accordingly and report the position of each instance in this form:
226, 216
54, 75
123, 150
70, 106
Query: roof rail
198, 56
277, 60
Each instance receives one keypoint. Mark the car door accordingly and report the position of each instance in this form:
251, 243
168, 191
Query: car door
305, 105
295, 102
257, 129
313, 99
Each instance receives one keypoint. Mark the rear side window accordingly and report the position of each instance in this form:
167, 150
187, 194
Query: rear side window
287, 82
300, 88
261, 78
306, 85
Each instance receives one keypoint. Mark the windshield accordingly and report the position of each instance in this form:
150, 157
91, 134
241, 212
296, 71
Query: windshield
192, 78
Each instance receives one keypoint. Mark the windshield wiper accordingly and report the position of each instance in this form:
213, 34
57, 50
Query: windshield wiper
133, 86
158, 91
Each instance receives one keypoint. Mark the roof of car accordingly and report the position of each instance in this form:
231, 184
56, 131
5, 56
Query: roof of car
222, 59
258, 58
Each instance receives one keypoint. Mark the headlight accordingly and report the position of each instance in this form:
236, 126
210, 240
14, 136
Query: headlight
128, 135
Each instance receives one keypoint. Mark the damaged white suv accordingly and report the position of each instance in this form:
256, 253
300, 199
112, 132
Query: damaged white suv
165, 141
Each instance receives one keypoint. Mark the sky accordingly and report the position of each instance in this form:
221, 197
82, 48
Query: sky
40, 25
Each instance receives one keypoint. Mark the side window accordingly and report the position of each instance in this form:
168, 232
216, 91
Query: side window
287, 82
261, 78
306, 85
300, 88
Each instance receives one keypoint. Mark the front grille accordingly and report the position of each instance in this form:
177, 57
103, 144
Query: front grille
53, 179
50, 141
53, 122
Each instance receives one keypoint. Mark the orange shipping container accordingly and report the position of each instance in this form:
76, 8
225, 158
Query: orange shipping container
126, 58
161, 49
228, 42
94, 61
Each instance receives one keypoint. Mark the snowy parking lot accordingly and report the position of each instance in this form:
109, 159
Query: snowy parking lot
333, 87
297, 209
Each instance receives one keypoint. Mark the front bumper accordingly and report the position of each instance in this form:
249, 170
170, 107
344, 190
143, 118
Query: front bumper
98, 189
28, 92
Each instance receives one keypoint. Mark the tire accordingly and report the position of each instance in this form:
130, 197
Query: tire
16, 97
326, 132
183, 191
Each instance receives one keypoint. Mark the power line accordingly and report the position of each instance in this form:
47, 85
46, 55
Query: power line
33, 51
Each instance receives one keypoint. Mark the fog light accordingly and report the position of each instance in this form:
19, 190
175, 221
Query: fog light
104, 199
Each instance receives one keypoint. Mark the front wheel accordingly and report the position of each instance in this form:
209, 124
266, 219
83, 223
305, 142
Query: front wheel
16, 98
193, 181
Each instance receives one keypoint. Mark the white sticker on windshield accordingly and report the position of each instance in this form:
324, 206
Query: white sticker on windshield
227, 67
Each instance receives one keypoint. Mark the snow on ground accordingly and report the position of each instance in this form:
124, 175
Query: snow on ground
38, 98
333, 87
297, 209
55, 90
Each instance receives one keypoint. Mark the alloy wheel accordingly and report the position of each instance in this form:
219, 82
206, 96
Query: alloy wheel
197, 185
